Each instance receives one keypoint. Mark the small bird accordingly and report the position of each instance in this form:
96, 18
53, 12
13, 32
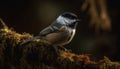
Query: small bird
60, 32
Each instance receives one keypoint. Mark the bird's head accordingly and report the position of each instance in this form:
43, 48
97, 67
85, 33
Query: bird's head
68, 19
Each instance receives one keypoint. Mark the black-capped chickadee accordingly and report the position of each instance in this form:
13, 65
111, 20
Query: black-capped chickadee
60, 32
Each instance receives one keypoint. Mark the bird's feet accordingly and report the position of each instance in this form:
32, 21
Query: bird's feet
63, 48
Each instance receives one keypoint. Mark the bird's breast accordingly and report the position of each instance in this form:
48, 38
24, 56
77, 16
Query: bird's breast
61, 38
72, 33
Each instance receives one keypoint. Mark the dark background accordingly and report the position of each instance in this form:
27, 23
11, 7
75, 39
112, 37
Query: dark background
32, 16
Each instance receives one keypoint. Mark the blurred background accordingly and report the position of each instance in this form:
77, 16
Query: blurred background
98, 34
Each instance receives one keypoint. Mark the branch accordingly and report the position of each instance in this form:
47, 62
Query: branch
99, 18
40, 55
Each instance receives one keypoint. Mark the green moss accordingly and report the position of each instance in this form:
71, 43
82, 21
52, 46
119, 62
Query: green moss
40, 55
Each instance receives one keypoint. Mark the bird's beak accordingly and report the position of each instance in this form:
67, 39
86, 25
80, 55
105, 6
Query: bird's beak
78, 20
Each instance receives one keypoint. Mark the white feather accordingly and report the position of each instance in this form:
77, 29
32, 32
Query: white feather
72, 35
63, 20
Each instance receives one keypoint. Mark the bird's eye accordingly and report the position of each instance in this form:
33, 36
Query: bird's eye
72, 24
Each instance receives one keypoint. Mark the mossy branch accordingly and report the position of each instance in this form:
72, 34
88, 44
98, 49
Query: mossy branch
40, 55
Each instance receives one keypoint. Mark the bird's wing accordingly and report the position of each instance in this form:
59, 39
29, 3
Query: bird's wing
51, 29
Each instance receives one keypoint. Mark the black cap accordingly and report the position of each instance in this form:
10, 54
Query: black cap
70, 15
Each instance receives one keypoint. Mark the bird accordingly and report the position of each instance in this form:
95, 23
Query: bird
60, 32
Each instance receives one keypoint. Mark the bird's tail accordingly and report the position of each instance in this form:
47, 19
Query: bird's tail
29, 40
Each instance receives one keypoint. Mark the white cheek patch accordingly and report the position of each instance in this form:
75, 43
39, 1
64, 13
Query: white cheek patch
69, 21
64, 21
61, 20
